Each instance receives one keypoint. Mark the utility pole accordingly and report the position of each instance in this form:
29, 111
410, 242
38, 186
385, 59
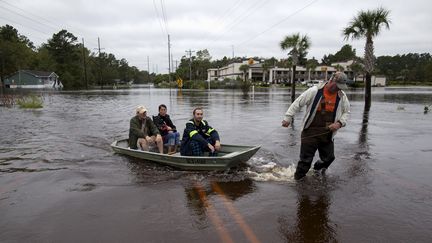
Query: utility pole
232, 48
169, 62
190, 62
100, 62
172, 63
84, 63
148, 69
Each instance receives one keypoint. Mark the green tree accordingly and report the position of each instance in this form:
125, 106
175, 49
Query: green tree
298, 47
368, 24
66, 52
344, 54
311, 64
244, 69
267, 64
339, 68
16, 51
356, 68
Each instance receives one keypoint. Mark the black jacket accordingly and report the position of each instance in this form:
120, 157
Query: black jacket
162, 122
198, 132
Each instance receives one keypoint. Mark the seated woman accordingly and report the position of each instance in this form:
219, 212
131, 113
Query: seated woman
167, 129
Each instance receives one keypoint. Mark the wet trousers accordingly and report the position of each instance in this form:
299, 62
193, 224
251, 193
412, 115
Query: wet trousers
313, 139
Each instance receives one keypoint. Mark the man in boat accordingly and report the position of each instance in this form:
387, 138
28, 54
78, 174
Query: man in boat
167, 129
143, 132
327, 109
199, 136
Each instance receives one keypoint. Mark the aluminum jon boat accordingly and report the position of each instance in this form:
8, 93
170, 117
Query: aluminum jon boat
229, 156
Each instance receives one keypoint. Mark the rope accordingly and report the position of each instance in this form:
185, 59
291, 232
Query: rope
312, 136
316, 135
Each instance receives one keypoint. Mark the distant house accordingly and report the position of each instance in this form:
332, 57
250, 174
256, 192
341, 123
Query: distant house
33, 80
376, 81
379, 81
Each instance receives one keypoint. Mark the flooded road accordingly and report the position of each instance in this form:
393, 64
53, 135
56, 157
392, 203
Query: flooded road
61, 182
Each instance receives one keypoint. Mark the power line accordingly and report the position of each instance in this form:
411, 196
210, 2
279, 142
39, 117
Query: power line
159, 18
230, 11
223, 19
246, 14
50, 24
25, 17
37, 16
277, 23
239, 19
190, 62
37, 30
165, 19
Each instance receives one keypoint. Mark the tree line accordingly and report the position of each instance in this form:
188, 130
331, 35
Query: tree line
77, 66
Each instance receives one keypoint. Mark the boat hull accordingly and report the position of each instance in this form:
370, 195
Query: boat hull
230, 156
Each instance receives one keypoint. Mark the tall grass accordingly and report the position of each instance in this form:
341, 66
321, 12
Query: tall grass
30, 102
7, 100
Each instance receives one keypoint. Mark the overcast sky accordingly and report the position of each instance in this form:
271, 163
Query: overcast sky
136, 29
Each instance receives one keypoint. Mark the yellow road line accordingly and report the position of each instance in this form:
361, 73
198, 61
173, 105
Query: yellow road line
214, 218
236, 215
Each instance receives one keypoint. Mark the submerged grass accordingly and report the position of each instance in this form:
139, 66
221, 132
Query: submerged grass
30, 102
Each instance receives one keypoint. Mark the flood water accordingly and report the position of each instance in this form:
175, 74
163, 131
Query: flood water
61, 182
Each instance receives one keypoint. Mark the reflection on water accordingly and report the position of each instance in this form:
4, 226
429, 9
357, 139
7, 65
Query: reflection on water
313, 221
200, 197
62, 151
360, 165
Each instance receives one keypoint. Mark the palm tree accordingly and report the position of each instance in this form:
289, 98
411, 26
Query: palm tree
266, 66
297, 46
244, 68
356, 68
368, 25
311, 65
339, 68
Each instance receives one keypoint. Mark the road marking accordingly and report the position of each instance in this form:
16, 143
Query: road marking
236, 215
214, 218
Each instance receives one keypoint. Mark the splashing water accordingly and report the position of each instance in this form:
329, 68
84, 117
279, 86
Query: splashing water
262, 170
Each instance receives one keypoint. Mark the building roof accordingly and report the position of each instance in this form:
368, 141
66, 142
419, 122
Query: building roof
39, 73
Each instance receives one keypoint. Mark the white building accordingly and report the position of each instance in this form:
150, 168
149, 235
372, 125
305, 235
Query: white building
379, 81
284, 75
275, 74
231, 71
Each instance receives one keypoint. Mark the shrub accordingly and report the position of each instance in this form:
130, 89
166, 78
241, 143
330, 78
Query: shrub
30, 102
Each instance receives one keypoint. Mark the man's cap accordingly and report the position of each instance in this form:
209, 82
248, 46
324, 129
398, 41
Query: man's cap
141, 109
340, 78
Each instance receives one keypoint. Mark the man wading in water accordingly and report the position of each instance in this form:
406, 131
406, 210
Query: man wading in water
327, 109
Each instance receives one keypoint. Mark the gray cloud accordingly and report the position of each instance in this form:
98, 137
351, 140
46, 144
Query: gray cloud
133, 30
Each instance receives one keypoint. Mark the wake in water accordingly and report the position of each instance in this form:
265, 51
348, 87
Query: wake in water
266, 169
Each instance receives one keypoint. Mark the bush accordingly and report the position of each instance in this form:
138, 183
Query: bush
245, 86
195, 84
30, 102
358, 85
